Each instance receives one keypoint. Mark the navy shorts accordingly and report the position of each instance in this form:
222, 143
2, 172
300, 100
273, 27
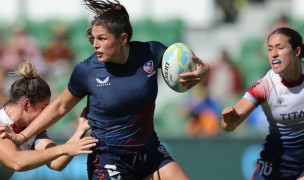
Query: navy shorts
106, 166
265, 170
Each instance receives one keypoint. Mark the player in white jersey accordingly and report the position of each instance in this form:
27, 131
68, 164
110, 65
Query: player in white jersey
29, 95
280, 93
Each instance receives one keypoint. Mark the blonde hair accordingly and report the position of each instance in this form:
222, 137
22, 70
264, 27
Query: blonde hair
27, 70
30, 85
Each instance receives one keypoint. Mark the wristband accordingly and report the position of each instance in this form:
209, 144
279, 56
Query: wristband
23, 136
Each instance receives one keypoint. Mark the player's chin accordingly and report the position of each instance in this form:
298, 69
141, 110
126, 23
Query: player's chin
276, 70
102, 60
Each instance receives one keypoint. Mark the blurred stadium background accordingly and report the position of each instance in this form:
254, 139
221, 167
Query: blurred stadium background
228, 34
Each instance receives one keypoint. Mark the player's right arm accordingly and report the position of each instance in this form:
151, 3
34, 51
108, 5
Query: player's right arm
232, 117
18, 160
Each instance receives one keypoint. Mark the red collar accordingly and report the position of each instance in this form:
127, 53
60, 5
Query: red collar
16, 129
297, 83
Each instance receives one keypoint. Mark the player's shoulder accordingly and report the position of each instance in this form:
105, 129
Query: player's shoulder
91, 61
262, 82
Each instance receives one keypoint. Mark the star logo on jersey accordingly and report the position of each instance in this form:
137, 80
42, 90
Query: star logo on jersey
104, 82
148, 66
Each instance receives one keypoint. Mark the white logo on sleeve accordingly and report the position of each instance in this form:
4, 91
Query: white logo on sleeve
104, 82
112, 170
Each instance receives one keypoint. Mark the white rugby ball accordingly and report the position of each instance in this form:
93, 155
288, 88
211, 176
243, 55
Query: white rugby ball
176, 60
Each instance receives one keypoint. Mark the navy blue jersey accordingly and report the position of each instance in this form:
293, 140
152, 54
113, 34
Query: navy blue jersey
121, 97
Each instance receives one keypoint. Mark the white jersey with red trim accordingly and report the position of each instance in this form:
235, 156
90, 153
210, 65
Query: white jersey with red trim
283, 104
5, 172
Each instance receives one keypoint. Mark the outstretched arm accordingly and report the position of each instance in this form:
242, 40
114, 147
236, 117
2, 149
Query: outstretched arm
232, 117
192, 78
18, 160
61, 162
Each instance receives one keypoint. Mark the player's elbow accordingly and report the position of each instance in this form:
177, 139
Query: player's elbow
15, 162
57, 167
18, 166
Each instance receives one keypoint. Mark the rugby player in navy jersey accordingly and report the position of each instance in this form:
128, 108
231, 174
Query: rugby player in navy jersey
120, 83
28, 96
280, 93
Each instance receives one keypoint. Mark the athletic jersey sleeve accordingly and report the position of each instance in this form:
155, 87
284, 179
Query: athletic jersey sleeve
258, 91
40, 136
157, 50
77, 85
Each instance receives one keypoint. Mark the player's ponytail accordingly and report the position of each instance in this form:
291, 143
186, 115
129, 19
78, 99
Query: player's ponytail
30, 85
27, 70
99, 7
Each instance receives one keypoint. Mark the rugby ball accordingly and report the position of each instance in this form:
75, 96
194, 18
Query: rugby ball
176, 60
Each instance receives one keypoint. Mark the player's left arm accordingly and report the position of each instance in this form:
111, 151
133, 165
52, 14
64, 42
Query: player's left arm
192, 78
23, 160
233, 116
61, 162
18, 160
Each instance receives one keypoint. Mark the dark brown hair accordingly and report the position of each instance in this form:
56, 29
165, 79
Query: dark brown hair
294, 38
111, 15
